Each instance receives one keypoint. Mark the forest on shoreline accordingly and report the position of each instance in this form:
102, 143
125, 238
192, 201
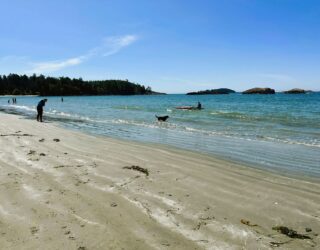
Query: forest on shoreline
14, 84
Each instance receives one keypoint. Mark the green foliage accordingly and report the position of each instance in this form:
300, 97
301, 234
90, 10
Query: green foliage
63, 86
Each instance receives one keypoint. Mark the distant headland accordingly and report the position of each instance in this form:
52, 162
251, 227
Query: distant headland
14, 84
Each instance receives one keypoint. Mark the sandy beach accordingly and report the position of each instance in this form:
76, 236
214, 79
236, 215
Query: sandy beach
62, 189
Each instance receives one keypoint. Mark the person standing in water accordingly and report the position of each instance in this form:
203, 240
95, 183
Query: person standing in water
40, 106
199, 106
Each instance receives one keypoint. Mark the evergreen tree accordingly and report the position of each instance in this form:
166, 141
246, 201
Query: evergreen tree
51, 86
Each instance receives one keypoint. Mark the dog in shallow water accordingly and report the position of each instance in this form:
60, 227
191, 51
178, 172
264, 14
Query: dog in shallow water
162, 118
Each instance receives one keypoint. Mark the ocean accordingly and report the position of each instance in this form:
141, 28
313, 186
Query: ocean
278, 132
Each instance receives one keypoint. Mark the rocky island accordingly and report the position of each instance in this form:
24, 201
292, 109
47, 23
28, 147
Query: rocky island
221, 91
264, 91
295, 91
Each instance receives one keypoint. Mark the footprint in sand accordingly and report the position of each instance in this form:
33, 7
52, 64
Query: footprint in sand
199, 225
82, 182
165, 243
204, 220
33, 159
34, 230
113, 204
31, 152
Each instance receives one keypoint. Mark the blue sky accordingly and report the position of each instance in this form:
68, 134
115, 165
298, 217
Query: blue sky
173, 46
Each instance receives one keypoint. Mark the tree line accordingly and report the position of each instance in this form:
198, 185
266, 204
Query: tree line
14, 84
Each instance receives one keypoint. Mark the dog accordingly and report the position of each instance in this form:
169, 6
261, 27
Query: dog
162, 118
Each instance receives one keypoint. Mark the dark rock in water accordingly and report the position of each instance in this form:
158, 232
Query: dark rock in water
264, 91
295, 91
222, 91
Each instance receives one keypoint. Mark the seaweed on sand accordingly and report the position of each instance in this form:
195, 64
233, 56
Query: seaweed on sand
290, 233
248, 223
137, 168
16, 135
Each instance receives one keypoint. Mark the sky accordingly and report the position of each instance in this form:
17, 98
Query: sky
174, 46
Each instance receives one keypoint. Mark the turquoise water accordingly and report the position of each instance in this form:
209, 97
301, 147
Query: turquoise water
276, 132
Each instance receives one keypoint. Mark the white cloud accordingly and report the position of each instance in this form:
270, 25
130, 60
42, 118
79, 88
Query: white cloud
115, 44
110, 46
44, 67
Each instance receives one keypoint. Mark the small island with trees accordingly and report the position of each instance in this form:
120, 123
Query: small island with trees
221, 91
14, 84
295, 91
261, 91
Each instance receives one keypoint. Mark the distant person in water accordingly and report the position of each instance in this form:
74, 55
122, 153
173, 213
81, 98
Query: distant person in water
40, 106
9, 101
61, 99
199, 106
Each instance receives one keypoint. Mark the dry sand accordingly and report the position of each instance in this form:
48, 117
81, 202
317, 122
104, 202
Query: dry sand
75, 194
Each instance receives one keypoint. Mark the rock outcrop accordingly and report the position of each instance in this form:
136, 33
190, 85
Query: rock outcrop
264, 91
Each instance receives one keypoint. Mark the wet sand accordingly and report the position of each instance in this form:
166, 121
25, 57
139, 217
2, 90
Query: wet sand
61, 189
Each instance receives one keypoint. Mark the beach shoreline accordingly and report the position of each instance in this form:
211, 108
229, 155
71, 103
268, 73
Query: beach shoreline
64, 189
277, 136
240, 164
